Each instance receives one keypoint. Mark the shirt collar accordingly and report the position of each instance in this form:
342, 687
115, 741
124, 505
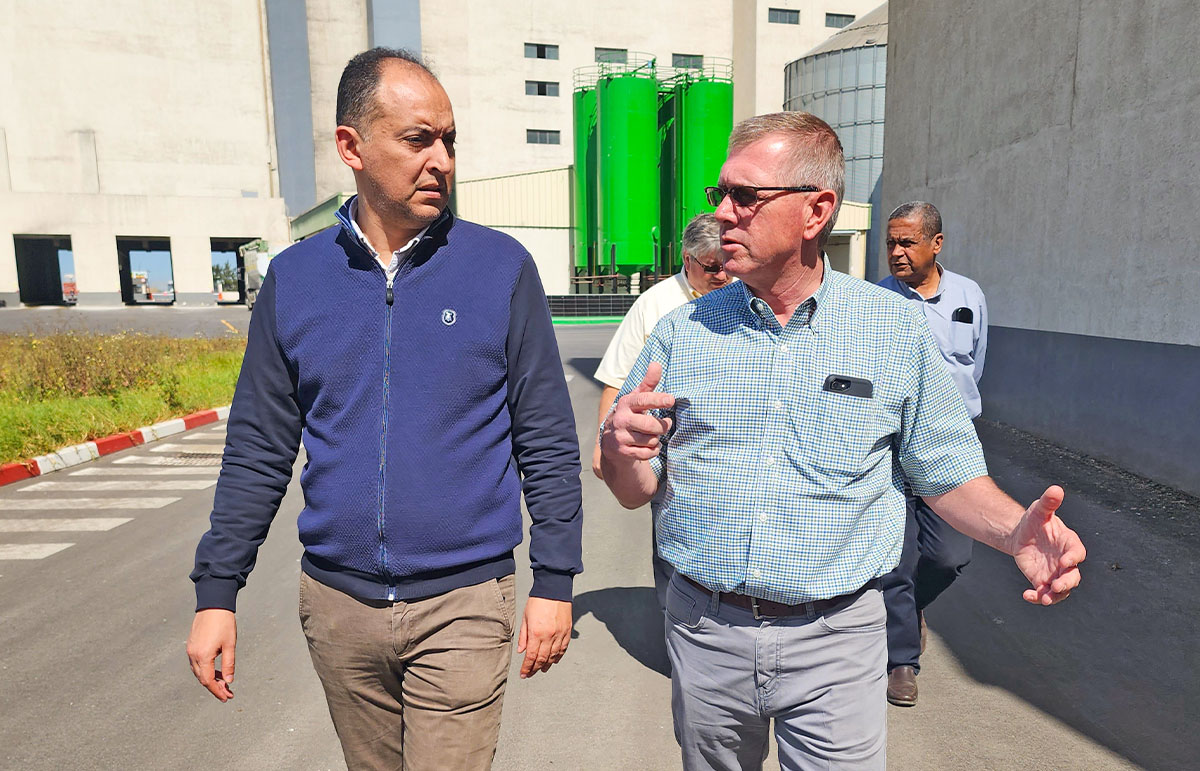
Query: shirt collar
914, 294
397, 256
687, 285
759, 309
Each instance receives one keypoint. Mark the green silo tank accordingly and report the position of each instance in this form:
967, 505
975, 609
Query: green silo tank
628, 211
585, 192
703, 122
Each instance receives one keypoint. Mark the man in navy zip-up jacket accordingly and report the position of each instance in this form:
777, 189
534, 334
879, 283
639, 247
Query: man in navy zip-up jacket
429, 393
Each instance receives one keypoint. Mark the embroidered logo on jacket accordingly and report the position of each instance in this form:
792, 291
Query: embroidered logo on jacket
449, 317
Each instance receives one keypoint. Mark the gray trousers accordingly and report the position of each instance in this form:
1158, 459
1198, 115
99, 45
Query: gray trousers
821, 678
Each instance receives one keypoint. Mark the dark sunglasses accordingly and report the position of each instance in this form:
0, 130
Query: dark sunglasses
747, 195
708, 268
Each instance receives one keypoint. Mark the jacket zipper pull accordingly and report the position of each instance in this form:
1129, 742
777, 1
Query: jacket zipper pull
390, 296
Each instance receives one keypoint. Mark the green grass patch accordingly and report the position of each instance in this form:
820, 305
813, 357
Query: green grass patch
68, 388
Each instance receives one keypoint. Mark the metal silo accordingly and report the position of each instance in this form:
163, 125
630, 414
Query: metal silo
627, 162
842, 81
584, 183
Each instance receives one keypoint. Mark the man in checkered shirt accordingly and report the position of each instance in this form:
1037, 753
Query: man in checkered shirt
773, 424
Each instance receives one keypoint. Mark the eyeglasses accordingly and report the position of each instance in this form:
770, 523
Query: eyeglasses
705, 267
747, 195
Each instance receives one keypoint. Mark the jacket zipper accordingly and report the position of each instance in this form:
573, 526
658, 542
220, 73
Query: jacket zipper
387, 370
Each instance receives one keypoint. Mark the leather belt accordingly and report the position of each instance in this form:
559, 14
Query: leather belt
769, 609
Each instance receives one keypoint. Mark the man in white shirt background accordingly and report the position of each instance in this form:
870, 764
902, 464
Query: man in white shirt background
702, 273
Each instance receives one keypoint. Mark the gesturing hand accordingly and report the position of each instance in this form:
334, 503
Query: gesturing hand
1046, 550
630, 432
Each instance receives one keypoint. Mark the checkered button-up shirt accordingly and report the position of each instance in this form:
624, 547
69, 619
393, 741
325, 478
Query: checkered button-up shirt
773, 484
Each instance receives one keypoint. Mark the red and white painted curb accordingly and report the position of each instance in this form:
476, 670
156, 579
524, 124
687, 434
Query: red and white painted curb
98, 448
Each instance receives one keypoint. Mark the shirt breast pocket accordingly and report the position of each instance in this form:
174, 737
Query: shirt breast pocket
962, 336
841, 433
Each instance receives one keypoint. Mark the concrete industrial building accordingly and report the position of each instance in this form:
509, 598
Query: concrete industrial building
508, 66
1060, 144
171, 134
128, 129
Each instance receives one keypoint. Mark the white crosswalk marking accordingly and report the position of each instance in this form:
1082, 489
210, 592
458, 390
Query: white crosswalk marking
161, 460
30, 551
75, 504
120, 485
215, 449
95, 524
122, 471
199, 436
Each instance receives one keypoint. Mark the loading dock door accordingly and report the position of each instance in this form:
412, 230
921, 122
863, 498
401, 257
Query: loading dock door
147, 277
229, 269
40, 277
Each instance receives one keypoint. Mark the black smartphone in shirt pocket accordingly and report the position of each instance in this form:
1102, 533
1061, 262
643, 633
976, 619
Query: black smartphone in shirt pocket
851, 386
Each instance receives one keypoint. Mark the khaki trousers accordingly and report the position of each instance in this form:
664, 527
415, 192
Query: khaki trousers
413, 684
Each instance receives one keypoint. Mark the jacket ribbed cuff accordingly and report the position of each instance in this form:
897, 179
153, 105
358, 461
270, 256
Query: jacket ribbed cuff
552, 585
216, 593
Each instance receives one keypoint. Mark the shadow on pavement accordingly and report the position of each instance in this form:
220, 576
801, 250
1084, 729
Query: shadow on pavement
1119, 661
586, 367
632, 616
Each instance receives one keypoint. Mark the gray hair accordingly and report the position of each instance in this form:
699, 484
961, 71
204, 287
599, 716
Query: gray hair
931, 218
702, 236
815, 154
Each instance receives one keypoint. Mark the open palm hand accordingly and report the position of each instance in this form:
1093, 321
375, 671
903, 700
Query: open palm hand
1047, 551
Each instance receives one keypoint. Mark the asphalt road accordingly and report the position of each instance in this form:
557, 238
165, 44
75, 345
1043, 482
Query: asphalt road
210, 321
93, 672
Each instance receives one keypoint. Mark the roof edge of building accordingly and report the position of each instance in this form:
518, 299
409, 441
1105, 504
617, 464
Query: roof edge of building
871, 29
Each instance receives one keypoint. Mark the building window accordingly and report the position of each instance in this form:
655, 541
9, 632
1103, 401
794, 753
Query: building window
690, 61
541, 88
542, 137
612, 55
541, 51
839, 20
783, 16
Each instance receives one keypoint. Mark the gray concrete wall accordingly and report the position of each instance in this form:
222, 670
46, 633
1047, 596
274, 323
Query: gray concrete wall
395, 24
337, 31
1141, 416
1058, 139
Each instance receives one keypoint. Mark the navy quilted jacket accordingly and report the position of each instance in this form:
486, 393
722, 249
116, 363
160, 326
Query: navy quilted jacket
425, 408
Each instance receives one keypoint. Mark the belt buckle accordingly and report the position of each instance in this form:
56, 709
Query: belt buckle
754, 607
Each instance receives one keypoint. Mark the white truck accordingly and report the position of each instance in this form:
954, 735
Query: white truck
256, 259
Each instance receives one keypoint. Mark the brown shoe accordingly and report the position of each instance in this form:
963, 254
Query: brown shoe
902, 686
924, 629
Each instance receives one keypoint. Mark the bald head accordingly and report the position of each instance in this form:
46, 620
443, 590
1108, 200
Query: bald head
357, 102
